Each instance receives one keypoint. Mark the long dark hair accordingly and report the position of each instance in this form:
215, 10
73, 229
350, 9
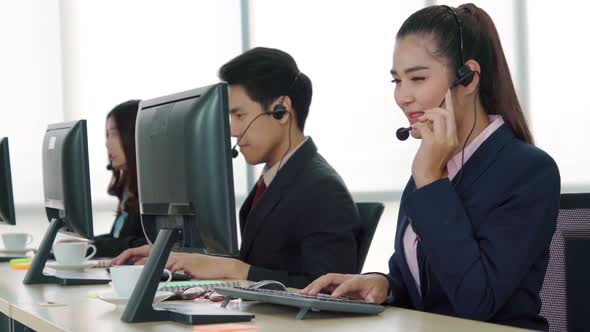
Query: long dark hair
124, 116
481, 42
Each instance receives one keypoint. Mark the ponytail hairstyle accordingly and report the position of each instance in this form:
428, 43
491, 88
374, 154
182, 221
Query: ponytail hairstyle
481, 43
124, 116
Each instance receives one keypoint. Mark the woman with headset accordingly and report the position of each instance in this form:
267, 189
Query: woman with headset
126, 231
479, 211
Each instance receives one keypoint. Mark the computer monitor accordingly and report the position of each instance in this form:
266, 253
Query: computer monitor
7, 215
66, 178
184, 169
66, 186
186, 190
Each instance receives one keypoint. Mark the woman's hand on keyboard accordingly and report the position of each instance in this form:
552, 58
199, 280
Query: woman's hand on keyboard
370, 287
132, 256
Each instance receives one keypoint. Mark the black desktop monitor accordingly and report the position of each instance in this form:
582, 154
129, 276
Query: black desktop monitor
7, 215
66, 185
184, 168
66, 179
186, 191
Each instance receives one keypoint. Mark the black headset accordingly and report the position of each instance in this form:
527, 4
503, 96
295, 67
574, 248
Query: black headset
464, 73
464, 77
278, 112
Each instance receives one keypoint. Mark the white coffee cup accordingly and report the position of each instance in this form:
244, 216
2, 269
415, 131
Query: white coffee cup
72, 253
16, 241
125, 277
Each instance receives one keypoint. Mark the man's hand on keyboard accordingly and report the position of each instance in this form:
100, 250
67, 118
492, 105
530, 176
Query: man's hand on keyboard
207, 267
370, 287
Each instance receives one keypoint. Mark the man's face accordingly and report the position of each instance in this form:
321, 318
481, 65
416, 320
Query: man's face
264, 135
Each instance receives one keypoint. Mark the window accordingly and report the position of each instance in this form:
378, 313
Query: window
120, 50
560, 111
31, 89
347, 55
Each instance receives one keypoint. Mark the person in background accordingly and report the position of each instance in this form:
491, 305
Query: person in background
126, 231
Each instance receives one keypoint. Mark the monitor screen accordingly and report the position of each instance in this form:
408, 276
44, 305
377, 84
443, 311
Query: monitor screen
7, 215
184, 167
66, 180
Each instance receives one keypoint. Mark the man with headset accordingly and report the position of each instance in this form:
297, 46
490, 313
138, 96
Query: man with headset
299, 221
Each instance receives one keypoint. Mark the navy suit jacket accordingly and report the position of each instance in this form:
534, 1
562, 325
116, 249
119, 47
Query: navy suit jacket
484, 240
305, 225
130, 236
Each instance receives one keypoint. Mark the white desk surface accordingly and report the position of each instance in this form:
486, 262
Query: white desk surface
74, 312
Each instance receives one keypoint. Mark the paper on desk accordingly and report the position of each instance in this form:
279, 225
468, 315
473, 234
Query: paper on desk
225, 328
51, 304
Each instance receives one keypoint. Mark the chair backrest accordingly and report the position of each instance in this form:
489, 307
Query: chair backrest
370, 214
573, 218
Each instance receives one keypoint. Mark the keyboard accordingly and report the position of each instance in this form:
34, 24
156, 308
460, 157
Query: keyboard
164, 277
320, 302
178, 287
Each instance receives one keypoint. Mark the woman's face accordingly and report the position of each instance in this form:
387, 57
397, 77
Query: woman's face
421, 80
116, 153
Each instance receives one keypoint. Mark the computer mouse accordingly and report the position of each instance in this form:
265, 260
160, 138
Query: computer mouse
269, 284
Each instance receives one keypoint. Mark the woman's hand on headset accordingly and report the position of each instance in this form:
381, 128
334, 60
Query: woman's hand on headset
438, 129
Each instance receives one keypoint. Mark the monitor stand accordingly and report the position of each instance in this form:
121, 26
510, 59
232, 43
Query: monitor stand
35, 273
7, 256
140, 306
4, 258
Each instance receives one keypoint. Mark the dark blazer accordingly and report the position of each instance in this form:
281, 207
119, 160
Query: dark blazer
305, 225
130, 236
484, 241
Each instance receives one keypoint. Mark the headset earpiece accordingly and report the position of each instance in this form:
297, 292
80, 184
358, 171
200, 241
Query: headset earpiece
464, 76
278, 111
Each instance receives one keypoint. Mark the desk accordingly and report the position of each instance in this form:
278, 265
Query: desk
4, 315
80, 313
4, 307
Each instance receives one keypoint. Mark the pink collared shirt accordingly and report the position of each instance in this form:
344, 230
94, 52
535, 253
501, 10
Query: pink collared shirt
410, 240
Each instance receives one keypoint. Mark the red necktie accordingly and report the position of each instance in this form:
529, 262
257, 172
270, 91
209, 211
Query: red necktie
259, 192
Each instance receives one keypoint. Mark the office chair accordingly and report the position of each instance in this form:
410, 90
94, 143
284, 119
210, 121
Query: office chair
370, 214
573, 221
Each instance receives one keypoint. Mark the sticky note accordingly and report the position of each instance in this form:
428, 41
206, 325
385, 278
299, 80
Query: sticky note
225, 328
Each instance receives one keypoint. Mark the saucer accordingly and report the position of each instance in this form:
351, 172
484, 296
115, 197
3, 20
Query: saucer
114, 298
71, 267
23, 252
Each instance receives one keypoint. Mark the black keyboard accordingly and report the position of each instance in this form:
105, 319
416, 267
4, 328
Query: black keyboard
304, 302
